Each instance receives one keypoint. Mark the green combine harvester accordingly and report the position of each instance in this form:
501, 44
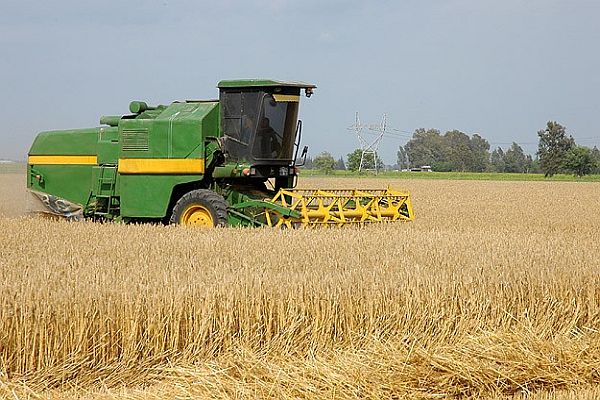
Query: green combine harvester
231, 161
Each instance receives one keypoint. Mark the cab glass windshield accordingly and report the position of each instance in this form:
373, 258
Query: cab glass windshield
274, 139
259, 127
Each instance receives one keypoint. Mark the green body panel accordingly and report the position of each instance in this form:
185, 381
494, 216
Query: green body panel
68, 142
148, 196
70, 182
108, 146
178, 131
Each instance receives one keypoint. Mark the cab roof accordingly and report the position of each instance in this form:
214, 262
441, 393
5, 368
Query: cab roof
262, 83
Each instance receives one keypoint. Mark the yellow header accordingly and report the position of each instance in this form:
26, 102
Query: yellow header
290, 98
63, 160
161, 165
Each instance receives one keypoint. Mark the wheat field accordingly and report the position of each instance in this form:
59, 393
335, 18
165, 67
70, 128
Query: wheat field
492, 292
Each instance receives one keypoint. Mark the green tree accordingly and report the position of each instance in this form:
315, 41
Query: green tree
529, 164
553, 148
514, 159
324, 162
535, 165
596, 157
426, 147
459, 153
340, 165
354, 160
402, 160
580, 161
497, 159
454, 151
368, 162
480, 153
309, 163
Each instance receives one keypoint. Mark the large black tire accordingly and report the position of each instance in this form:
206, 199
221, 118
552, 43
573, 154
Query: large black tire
204, 200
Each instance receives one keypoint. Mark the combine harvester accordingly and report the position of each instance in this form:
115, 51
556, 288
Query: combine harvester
209, 163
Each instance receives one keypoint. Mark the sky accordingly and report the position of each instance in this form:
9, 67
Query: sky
501, 69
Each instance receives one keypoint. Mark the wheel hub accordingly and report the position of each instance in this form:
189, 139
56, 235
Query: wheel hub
198, 216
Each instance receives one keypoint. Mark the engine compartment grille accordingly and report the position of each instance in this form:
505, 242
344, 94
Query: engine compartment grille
135, 139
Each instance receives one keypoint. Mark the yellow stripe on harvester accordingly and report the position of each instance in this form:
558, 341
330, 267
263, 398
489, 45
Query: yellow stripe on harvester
287, 98
63, 160
161, 165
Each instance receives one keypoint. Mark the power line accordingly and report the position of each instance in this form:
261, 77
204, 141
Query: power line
368, 146
587, 139
391, 135
510, 143
399, 134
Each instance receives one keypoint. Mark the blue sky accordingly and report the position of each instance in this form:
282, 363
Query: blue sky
497, 68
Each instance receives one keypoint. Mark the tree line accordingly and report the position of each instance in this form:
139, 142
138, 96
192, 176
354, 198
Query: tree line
457, 151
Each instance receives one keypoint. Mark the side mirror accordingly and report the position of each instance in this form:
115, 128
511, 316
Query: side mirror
303, 156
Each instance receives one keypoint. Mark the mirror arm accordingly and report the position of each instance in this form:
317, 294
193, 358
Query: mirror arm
298, 140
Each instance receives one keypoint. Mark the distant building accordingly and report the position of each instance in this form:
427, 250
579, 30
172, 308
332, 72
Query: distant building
424, 168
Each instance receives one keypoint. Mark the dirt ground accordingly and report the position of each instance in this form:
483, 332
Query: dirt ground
13, 194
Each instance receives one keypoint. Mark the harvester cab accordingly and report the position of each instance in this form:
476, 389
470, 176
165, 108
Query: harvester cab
231, 161
260, 129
